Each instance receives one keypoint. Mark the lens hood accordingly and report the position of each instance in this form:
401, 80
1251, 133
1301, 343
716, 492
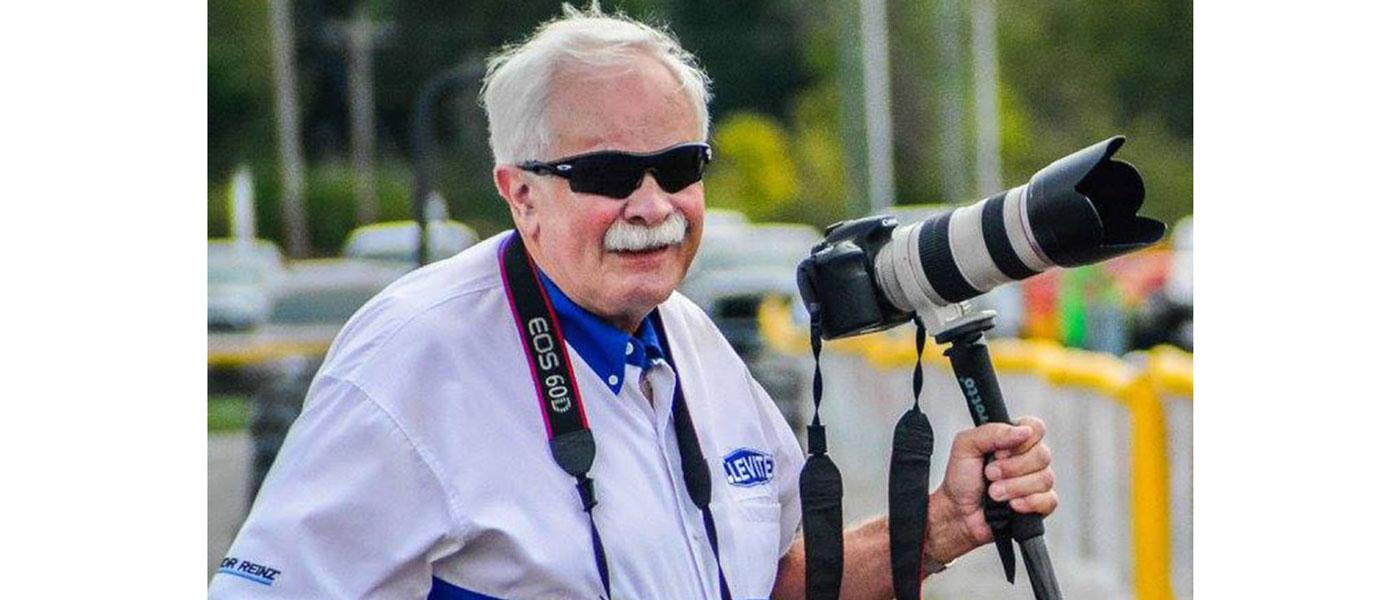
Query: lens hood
1082, 208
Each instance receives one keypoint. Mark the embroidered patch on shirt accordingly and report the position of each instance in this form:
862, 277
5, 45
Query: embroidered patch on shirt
251, 571
746, 467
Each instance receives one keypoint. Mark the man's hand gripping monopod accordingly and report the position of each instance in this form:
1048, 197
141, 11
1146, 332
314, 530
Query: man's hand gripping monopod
957, 325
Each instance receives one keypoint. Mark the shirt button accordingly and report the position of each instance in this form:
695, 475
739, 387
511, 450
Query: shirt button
612, 379
629, 348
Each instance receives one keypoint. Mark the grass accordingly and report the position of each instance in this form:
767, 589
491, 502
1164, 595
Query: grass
228, 413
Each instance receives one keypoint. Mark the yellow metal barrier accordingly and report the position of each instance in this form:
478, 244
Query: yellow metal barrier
1139, 389
245, 349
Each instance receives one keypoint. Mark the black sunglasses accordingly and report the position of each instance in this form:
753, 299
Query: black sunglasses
617, 174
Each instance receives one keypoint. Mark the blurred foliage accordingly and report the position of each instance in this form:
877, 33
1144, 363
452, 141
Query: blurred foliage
787, 110
241, 126
754, 171
917, 82
227, 414
820, 160
1076, 73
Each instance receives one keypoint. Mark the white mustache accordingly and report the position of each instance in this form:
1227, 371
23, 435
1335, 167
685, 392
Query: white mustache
624, 236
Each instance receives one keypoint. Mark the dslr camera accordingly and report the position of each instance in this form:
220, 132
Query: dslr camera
872, 273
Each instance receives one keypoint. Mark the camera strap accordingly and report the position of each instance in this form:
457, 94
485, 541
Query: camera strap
820, 488
908, 493
570, 440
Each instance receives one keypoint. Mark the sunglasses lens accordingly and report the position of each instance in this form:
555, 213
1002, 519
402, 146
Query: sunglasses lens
680, 168
612, 175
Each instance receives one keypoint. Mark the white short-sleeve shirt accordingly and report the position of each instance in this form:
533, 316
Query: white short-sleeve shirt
420, 466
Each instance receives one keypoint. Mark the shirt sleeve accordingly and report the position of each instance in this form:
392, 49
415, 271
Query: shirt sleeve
789, 459
350, 509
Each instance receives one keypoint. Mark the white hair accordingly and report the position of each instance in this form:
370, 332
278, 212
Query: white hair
519, 79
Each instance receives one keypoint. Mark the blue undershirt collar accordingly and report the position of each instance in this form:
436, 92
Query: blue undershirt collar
606, 349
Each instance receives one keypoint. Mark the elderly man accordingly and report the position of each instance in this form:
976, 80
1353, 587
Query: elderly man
542, 416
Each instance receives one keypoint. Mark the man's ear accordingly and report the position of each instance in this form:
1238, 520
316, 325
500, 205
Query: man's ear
514, 187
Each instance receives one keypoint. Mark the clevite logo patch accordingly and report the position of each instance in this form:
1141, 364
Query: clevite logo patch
746, 467
248, 570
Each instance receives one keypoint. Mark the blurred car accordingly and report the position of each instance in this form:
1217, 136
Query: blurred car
739, 266
241, 273
326, 292
732, 296
309, 306
724, 217
729, 245
397, 241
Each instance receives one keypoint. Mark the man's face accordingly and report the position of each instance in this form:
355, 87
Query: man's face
641, 109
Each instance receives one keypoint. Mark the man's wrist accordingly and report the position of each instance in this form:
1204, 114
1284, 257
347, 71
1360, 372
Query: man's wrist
947, 537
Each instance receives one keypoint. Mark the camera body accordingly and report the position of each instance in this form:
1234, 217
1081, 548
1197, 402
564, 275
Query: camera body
840, 277
873, 273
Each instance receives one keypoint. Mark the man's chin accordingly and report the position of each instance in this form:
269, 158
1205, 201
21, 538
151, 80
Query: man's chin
644, 291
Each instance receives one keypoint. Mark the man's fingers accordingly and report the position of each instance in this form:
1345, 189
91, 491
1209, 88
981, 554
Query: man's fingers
990, 438
1043, 503
1025, 485
1022, 464
1037, 432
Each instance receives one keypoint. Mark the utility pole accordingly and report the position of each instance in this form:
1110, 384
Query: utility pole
875, 70
952, 143
850, 71
984, 94
359, 38
294, 236
428, 204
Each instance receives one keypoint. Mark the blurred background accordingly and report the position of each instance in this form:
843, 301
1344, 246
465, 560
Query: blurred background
334, 125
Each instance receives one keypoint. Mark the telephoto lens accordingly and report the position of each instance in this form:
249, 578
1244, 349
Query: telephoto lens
1080, 209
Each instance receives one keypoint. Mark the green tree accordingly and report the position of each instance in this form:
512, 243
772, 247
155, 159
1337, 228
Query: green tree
754, 171
1075, 73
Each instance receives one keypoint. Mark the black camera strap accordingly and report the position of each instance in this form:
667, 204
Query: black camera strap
570, 441
909, 470
820, 488
693, 465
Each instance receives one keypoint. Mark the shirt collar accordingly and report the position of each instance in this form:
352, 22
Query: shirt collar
607, 349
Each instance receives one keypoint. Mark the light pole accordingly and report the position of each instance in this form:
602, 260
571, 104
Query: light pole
359, 37
424, 150
292, 167
875, 72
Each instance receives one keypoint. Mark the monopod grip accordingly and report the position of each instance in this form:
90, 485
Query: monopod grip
972, 365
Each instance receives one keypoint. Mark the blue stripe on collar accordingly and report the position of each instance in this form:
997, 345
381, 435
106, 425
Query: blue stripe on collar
606, 349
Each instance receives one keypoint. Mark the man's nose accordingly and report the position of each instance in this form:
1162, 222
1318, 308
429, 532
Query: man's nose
648, 204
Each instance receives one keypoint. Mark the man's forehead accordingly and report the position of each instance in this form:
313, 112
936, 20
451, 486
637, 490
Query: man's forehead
640, 108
